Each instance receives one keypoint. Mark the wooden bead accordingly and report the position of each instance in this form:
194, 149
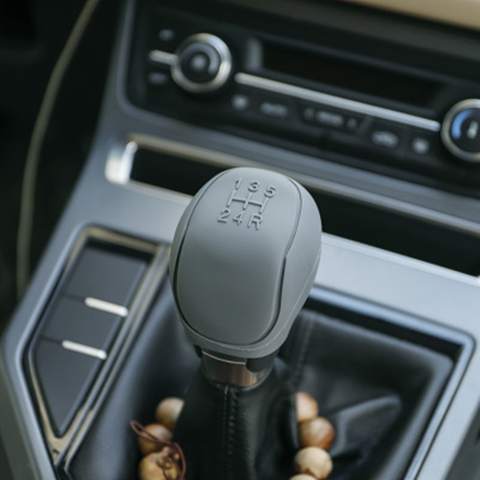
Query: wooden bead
168, 411
168, 465
150, 467
307, 407
302, 476
317, 432
314, 461
149, 446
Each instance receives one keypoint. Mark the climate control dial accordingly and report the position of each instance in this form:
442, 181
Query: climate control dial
203, 63
461, 130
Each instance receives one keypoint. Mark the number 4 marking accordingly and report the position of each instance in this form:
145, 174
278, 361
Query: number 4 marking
238, 219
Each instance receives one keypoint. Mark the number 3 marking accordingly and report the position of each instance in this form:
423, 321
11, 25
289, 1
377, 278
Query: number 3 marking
253, 187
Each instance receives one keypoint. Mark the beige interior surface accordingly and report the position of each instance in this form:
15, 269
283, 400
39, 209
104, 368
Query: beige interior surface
464, 13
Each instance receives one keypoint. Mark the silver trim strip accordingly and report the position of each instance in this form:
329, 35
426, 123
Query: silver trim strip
218, 158
106, 306
160, 56
331, 100
224, 360
84, 349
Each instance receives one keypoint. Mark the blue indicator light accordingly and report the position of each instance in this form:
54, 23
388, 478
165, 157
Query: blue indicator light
457, 123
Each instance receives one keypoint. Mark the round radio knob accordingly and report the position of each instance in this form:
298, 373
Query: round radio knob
203, 63
461, 130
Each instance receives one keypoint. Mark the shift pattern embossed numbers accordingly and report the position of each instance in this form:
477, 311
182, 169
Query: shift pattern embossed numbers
254, 196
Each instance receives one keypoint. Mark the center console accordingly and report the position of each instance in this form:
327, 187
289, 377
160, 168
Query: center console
381, 129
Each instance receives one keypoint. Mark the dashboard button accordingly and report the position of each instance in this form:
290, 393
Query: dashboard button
386, 137
275, 109
71, 319
241, 102
158, 79
308, 113
420, 145
329, 118
422, 151
64, 377
167, 34
106, 275
353, 123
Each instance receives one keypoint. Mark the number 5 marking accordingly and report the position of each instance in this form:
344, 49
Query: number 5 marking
270, 191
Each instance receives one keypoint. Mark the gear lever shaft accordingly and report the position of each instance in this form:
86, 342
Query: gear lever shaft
243, 261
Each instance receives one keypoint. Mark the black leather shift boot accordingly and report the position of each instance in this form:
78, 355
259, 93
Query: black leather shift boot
222, 427
376, 389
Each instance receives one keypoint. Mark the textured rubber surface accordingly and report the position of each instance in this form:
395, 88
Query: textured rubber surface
243, 261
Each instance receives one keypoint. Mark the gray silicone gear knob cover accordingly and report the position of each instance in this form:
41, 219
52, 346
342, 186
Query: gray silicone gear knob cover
243, 260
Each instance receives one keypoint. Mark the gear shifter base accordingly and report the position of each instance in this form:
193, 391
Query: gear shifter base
231, 371
222, 427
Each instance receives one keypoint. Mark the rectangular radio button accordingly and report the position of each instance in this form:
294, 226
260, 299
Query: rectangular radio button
65, 378
106, 274
158, 79
275, 109
329, 118
386, 137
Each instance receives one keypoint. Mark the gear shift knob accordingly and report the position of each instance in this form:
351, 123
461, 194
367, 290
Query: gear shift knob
243, 261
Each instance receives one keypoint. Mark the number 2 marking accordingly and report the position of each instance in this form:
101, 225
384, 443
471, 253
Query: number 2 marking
224, 214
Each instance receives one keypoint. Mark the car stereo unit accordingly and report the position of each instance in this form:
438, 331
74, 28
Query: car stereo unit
329, 102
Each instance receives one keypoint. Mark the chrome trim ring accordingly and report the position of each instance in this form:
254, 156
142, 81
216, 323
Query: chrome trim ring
447, 124
225, 66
